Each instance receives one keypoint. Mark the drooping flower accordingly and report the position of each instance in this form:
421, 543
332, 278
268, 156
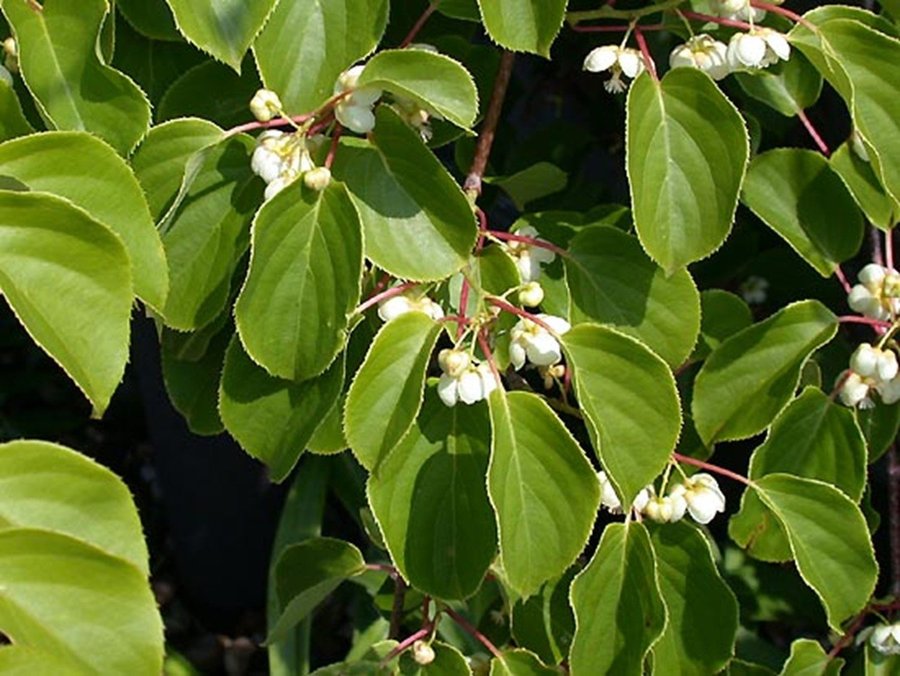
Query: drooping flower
757, 48
280, 159
739, 10
610, 499
408, 302
665, 509
855, 392
265, 105
529, 257
463, 381
704, 53
876, 295
619, 61
535, 343
703, 496
355, 110
885, 638
531, 294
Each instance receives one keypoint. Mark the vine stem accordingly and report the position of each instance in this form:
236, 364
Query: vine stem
332, 151
397, 608
842, 278
274, 122
382, 568
482, 341
384, 295
404, 644
645, 52
503, 305
889, 249
813, 132
875, 241
687, 460
855, 319
619, 29
532, 241
775, 9
472, 183
420, 22
839, 384
463, 303
743, 25
470, 629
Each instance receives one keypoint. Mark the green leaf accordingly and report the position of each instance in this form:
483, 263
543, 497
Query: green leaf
430, 500
21, 660
532, 183
630, 403
207, 234
193, 384
51, 487
722, 315
304, 281
90, 610
878, 664
307, 44
274, 419
436, 82
520, 663
880, 425
448, 661
12, 119
523, 25
87, 172
796, 193
788, 88
160, 161
544, 491
686, 154
306, 573
863, 184
702, 611
829, 539
72, 87
808, 659
404, 215
747, 380
544, 623
68, 280
151, 18
386, 393
223, 28
612, 281
619, 611
756, 529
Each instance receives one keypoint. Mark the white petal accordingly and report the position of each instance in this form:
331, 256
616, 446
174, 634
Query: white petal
543, 349
872, 275
446, 389
356, 118
864, 360
469, 387
889, 391
394, 307
861, 300
682, 57
488, 381
366, 96
527, 267
601, 58
631, 62
778, 44
517, 355
558, 324
608, 497
277, 186
750, 49
854, 391
542, 255
641, 499
887, 365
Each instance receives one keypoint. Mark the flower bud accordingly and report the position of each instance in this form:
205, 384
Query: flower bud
265, 105
453, 362
317, 179
422, 653
531, 294
864, 360
855, 392
885, 638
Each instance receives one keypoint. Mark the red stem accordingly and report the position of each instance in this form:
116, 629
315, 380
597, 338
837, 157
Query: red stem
813, 133
618, 29
384, 295
856, 319
482, 227
645, 52
482, 341
332, 151
405, 643
417, 26
839, 384
687, 460
717, 19
533, 241
275, 122
775, 9
470, 629
842, 278
382, 568
503, 305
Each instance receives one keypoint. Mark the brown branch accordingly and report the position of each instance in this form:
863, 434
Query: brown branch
489, 128
397, 609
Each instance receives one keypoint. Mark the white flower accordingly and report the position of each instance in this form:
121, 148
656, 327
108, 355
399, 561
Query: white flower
619, 61
278, 185
871, 362
703, 496
876, 294
534, 342
398, 305
355, 110
317, 179
704, 53
885, 638
855, 391
531, 294
529, 257
422, 653
469, 384
360, 119
758, 48
641, 500
265, 105
668, 509
740, 10
889, 391
608, 496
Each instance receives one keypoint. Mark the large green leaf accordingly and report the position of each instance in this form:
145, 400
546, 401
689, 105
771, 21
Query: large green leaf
808, 659
151, 18
89, 610
50, 487
544, 623
723, 314
520, 663
864, 185
829, 539
796, 193
402, 214
434, 81
686, 154
274, 419
702, 610
612, 281
544, 491
448, 661
208, 233
68, 280
62, 68
304, 281
386, 393
619, 611
747, 380
789, 88
82, 169
223, 28
523, 25
628, 397
306, 573
307, 44
431, 502
880, 425
12, 119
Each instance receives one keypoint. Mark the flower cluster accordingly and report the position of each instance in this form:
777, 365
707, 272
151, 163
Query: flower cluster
878, 293
529, 257
699, 496
738, 10
281, 158
462, 380
871, 368
409, 302
619, 61
354, 111
885, 638
704, 53
535, 343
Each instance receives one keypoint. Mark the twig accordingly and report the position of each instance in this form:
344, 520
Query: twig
489, 129
842, 278
801, 114
482, 341
384, 295
404, 644
687, 460
382, 568
877, 251
645, 52
503, 305
855, 319
775, 9
743, 25
397, 609
470, 629
532, 241
420, 22
332, 151
622, 28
